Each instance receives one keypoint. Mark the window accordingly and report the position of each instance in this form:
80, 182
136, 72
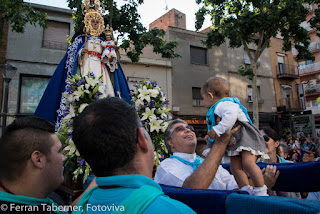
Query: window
309, 63
306, 64
282, 69
196, 96
249, 93
55, 36
31, 90
198, 55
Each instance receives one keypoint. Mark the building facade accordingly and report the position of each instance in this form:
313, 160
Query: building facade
309, 72
197, 64
37, 52
284, 73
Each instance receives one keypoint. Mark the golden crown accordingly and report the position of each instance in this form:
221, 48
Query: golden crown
92, 10
92, 5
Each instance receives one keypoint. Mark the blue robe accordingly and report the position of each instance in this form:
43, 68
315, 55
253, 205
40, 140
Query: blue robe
52, 106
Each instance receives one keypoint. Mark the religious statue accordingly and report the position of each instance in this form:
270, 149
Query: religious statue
110, 49
93, 50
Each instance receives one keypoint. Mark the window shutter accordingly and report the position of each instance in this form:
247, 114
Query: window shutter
55, 36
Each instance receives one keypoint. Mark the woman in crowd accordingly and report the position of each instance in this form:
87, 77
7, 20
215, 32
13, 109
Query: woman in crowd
272, 143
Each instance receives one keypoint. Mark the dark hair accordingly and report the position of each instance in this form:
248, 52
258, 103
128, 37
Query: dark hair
168, 133
216, 85
284, 146
271, 133
105, 134
21, 138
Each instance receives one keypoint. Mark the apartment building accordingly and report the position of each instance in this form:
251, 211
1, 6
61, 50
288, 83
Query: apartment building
197, 64
284, 73
309, 71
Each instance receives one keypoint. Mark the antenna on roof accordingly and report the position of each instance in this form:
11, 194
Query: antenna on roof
166, 8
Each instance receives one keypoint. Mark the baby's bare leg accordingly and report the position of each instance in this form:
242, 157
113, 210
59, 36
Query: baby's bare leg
250, 166
237, 171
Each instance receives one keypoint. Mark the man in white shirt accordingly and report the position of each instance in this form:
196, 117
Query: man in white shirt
185, 169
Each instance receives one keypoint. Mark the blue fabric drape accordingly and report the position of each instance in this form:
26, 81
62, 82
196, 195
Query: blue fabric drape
200, 200
292, 176
247, 204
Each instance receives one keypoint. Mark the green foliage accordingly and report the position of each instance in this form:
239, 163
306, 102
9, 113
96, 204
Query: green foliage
125, 20
18, 14
244, 22
315, 20
256, 21
246, 71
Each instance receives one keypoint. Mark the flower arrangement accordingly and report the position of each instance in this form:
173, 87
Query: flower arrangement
151, 105
80, 92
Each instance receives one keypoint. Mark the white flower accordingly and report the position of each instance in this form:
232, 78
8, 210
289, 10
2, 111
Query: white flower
71, 98
82, 106
72, 148
78, 171
155, 125
78, 93
87, 86
86, 91
164, 126
71, 113
91, 81
153, 92
152, 117
144, 93
138, 103
163, 115
148, 113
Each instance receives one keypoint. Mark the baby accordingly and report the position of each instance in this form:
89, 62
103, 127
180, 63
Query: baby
246, 145
109, 52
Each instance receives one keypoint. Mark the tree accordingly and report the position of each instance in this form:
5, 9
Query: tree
133, 36
18, 14
255, 21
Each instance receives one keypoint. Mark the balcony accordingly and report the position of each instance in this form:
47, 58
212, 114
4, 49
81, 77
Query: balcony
295, 104
306, 25
313, 106
312, 90
307, 69
313, 47
286, 72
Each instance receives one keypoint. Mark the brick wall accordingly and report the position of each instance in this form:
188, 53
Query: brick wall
172, 18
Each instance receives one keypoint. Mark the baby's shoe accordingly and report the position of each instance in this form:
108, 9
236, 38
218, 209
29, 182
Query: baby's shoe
260, 191
248, 188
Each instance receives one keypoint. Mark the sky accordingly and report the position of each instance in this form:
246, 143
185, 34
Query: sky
150, 10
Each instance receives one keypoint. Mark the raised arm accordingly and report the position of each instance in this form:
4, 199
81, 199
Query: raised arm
202, 177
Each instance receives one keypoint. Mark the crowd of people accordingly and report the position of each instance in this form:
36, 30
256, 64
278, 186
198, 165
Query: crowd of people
31, 164
300, 147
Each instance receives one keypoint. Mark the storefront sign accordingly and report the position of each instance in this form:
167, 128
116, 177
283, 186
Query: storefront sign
194, 122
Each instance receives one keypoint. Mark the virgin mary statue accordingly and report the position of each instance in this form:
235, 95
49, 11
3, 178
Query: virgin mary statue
88, 53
